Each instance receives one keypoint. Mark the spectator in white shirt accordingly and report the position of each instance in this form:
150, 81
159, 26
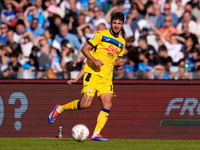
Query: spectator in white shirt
20, 28
187, 18
174, 48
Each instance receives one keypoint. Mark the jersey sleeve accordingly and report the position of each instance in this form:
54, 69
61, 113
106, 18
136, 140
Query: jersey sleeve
96, 39
122, 51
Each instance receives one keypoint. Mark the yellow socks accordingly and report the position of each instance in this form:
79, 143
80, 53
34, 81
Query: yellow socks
71, 106
101, 120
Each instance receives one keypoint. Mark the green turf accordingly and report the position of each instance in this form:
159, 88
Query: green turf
117, 144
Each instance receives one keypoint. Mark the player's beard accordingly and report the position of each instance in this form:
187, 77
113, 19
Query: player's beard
115, 33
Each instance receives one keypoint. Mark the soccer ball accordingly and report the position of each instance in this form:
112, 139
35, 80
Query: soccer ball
80, 132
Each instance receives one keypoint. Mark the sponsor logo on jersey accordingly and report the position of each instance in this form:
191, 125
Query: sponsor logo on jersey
112, 49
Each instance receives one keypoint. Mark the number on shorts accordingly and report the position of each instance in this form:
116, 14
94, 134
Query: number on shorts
88, 77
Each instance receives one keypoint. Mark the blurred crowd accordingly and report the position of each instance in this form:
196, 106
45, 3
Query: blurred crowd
41, 39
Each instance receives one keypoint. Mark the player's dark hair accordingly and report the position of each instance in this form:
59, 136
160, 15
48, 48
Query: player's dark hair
118, 16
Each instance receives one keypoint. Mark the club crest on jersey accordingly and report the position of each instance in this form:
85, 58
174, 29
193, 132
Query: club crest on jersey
93, 37
120, 45
90, 90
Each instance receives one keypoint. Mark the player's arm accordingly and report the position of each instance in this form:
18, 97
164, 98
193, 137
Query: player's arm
120, 61
86, 51
81, 73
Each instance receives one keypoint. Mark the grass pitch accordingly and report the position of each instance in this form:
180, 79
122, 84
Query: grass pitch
113, 144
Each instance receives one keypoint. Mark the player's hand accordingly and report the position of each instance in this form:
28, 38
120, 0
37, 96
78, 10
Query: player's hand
120, 62
98, 63
70, 82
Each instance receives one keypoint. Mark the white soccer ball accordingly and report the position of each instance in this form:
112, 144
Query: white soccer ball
80, 132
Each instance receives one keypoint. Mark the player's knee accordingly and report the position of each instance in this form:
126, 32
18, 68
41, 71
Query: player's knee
107, 105
86, 103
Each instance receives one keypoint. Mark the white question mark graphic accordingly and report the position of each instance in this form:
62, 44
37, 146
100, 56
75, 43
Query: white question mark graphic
19, 111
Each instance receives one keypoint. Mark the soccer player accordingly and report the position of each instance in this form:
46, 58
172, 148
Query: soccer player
103, 51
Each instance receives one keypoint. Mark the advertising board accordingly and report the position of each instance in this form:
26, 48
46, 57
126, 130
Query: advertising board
141, 110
